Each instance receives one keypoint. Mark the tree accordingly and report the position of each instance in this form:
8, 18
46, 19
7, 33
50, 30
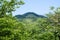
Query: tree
8, 6
55, 21
10, 28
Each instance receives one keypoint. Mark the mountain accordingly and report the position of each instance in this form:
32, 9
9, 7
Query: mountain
29, 15
32, 14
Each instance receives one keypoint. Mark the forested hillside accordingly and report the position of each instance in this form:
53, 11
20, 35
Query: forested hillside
29, 15
28, 26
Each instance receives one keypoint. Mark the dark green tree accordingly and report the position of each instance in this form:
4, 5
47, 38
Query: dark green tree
55, 21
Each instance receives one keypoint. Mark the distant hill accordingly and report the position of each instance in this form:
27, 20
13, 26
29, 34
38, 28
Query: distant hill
29, 15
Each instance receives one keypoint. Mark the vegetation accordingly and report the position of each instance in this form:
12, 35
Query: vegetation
43, 28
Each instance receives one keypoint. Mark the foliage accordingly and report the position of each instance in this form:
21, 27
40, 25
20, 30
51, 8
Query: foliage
55, 21
46, 28
7, 6
10, 29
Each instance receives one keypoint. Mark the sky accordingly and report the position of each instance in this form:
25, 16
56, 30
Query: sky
40, 7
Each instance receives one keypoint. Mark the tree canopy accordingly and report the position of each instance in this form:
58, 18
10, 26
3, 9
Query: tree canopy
7, 6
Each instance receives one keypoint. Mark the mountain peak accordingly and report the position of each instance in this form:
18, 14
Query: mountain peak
30, 15
33, 14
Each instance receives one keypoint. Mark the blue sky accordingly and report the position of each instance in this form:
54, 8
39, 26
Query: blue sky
40, 7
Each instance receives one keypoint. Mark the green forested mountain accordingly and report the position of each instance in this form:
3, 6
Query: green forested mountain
29, 15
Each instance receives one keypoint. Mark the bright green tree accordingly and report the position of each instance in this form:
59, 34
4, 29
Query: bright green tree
10, 28
8, 6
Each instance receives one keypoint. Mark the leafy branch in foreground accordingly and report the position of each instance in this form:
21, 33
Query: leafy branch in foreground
8, 6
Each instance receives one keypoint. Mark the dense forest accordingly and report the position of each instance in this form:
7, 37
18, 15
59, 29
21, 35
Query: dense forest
28, 26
